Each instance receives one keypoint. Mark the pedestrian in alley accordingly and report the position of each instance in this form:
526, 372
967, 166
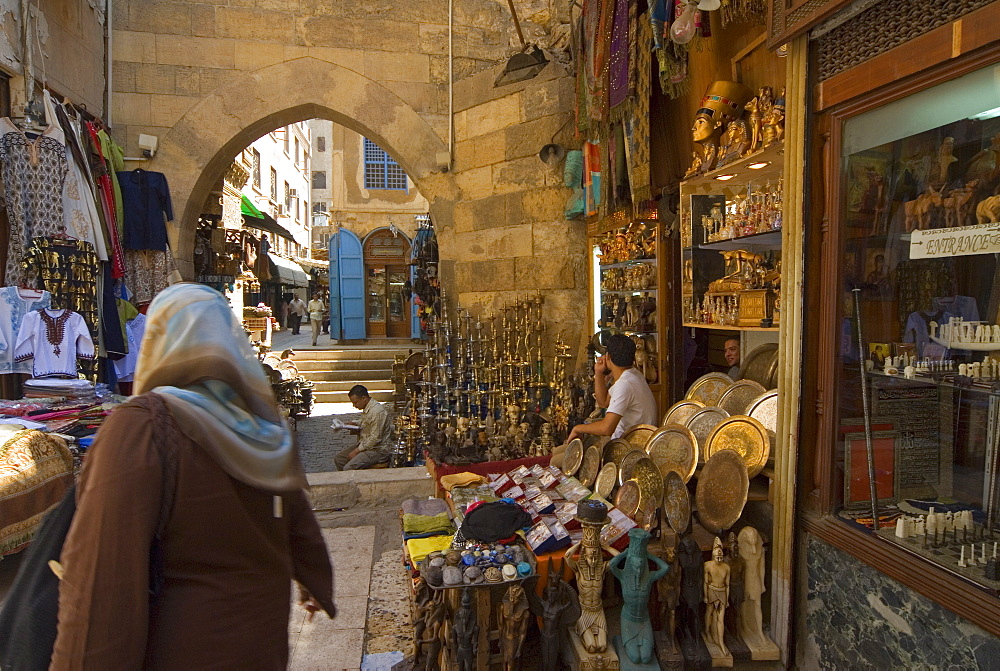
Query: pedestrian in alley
376, 434
316, 310
296, 311
191, 516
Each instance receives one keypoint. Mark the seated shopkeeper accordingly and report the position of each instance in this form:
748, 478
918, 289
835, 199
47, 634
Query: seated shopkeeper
629, 400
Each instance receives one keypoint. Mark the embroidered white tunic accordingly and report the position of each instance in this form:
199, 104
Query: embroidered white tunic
14, 305
54, 339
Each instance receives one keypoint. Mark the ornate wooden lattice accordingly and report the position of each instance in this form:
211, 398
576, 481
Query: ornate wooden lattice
887, 24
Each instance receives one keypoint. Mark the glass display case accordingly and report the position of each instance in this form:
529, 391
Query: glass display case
917, 370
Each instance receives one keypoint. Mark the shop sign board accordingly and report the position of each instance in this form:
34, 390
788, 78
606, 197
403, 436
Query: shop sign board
940, 243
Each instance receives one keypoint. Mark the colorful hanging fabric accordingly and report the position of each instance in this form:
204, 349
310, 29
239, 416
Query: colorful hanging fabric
598, 16
592, 177
621, 83
106, 189
671, 57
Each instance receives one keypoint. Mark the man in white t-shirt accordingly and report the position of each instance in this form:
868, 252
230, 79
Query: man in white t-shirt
629, 400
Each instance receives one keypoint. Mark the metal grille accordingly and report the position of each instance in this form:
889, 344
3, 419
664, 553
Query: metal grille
888, 24
381, 171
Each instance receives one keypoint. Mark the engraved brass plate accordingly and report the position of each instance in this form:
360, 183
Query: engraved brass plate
628, 498
607, 478
708, 388
615, 450
676, 502
590, 466
702, 424
639, 434
722, 491
738, 397
646, 517
761, 365
681, 412
627, 466
764, 409
650, 481
745, 436
573, 457
674, 448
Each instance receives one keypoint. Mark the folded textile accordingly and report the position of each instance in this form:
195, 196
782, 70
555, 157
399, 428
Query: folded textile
419, 548
424, 506
421, 524
449, 482
490, 522
429, 534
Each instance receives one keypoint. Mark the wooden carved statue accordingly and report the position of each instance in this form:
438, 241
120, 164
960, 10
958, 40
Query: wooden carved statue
513, 626
668, 589
465, 633
592, 626
559, 609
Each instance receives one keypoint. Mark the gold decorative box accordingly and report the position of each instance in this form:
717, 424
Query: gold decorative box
756, 304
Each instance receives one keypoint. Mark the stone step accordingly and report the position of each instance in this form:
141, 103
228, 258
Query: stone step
384, 396
374, 354
366, 365
373, 386
371, 488
345, 374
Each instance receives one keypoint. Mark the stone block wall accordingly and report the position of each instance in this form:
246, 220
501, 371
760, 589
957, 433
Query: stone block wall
856, 617
509, 237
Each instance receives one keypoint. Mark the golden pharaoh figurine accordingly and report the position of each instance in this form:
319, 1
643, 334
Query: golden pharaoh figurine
723, 102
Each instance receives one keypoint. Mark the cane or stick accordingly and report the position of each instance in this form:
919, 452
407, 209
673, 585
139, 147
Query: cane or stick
867, 415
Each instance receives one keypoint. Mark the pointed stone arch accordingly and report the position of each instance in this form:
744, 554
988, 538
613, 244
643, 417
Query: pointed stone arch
201, 145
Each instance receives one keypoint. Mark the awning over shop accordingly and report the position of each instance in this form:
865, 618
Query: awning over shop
289, 272
262, 220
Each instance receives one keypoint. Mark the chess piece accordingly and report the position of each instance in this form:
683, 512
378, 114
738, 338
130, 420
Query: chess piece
723, 103
961, 559
901, 528
716, 598
591, 628
751, 628
559, 609
465, 633
631, 568
513, 626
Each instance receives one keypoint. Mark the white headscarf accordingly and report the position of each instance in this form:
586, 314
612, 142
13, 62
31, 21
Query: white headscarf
196, 355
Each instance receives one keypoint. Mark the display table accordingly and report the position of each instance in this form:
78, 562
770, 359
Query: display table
437, 471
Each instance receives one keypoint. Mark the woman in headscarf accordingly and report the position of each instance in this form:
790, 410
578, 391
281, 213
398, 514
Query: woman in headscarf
191, 513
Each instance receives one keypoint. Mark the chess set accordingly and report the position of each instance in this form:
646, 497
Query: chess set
954, 542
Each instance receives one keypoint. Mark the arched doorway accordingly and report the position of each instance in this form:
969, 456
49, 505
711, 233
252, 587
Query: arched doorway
387, 271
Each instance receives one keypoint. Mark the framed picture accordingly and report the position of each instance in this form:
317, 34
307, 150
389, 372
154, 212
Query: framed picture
901, 348
867, 181
857, 493
877, 353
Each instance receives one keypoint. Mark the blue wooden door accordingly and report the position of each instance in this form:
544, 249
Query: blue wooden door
336, 329
351, 265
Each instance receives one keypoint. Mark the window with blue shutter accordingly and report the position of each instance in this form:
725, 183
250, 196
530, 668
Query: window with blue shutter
381, 171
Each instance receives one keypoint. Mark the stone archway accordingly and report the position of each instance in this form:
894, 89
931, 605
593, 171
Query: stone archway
201, 145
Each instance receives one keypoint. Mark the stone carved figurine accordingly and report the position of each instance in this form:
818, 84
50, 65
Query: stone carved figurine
631, 568
750, 622
513, 626
592, 627
716, 600
465, 633
559, 609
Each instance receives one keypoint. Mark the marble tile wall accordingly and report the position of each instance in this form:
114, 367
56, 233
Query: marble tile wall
856, 617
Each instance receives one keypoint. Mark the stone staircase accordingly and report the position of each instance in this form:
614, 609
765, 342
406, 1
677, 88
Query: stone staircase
334, 371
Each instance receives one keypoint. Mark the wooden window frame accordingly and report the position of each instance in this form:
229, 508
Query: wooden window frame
824, 285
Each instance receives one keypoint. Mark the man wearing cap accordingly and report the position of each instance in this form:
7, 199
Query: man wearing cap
629, 400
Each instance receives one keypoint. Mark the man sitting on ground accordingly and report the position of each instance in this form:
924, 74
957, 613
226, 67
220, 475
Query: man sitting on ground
376, 434
629, 400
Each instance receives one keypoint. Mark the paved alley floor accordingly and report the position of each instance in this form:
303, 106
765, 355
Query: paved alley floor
318, 443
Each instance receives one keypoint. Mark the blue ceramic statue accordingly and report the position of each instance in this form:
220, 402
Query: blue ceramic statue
631, 568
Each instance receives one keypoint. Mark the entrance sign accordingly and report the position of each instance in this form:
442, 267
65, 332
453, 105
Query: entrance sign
939, 243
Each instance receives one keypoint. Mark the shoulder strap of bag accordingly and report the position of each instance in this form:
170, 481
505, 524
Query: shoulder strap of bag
166, 437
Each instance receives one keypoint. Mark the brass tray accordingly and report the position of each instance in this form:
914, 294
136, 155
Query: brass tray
573, 457
639, 434
676, 502
627, 466
722, 491
615, 450
702, 423
607, 478
764, 409
590, 466
645, 518
650, 481
681, 411
708, 388
628, 498
761, 365
674, 448
745, 436
740, 395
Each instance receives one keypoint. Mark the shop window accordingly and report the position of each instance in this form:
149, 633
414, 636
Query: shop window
381, 171
288, 199
917, 328
255, 167
274, 185
319, 179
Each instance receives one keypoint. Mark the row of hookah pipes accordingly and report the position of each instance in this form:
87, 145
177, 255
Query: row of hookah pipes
476, 369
